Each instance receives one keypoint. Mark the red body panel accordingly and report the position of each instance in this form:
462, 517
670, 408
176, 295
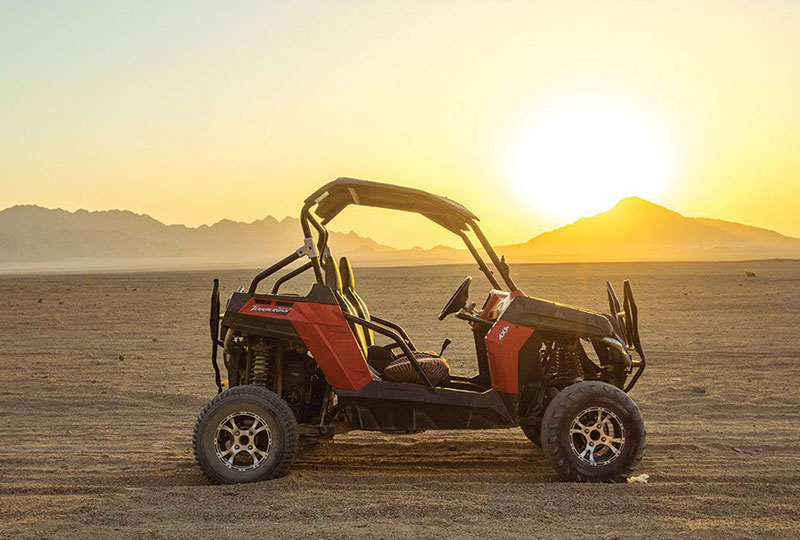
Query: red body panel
503, 343
324, 330
495, 305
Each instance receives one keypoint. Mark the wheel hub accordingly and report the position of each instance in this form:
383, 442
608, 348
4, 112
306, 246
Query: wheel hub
242, 441
597, 436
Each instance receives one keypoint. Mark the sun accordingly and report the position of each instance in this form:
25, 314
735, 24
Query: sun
579, 160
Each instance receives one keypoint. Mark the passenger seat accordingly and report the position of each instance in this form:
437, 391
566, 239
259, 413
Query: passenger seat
379, 358
334, 282
349, 290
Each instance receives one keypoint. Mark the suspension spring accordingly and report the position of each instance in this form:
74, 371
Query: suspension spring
259, 371
566, 364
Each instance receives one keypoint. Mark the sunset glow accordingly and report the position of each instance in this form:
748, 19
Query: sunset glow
580, 159
542, 112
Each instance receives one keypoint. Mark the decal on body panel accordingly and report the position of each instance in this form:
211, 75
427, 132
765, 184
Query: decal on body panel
502, 333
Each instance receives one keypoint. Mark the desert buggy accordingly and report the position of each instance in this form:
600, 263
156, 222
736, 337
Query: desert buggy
310, 366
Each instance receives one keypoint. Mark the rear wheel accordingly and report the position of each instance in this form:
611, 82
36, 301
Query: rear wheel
245, 434
593, 432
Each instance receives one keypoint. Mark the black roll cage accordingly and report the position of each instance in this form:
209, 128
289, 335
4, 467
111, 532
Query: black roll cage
444, 212
333, 197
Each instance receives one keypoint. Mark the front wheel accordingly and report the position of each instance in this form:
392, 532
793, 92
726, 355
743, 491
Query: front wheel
593, 432
245, 434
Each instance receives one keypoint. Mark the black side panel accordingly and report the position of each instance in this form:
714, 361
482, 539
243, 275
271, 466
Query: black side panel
237, 300
392, 406
530, 375
546, 315
479, 332
319, 294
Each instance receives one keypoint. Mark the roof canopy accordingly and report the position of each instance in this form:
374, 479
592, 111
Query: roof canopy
335, 196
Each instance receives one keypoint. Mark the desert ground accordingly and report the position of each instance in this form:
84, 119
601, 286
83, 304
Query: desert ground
104, 374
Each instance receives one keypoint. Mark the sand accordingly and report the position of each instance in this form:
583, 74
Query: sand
103, 376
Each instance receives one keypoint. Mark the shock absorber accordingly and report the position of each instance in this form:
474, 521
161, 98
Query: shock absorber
259, 370
566, 366
573, 361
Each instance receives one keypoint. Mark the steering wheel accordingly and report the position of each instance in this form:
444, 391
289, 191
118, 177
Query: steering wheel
458, 300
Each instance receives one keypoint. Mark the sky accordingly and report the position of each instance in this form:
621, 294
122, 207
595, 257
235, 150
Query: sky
532, 114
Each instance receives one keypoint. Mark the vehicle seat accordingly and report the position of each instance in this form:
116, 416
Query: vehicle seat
349, 291
434, 366
341, 281
378, 357
333, 280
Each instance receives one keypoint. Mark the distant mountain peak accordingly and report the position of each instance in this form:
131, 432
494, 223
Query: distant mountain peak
638, 205
636, 229
634, 202
31, 208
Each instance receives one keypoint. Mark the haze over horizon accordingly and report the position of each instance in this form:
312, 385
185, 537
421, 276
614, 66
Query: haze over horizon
364, 232
33, 238
532, 116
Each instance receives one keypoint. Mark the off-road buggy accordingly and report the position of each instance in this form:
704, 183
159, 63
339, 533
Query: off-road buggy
310, 366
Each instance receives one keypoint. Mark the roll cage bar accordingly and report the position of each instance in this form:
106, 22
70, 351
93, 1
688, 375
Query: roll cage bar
335, 196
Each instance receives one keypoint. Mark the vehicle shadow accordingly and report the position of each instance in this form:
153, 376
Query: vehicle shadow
455, 459
380, 457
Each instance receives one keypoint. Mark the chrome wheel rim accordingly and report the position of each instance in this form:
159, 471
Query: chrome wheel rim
242, 441
597, 436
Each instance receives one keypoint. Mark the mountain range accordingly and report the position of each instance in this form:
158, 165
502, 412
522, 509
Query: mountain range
639, 230
41, 239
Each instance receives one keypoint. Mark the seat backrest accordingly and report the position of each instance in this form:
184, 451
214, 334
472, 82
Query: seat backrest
349, 291
333, 280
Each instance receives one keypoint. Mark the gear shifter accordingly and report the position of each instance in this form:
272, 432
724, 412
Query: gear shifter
447, 342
